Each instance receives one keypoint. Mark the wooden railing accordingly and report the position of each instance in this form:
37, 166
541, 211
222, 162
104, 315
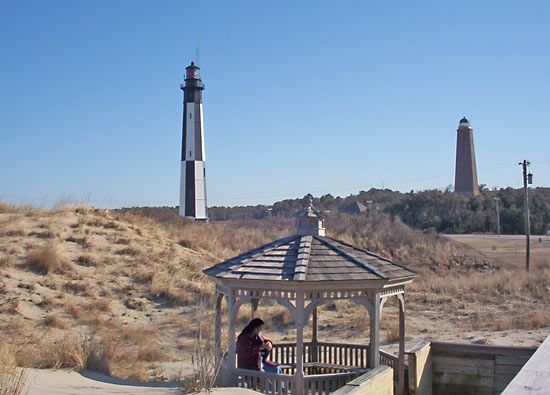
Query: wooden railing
283, 384
285, 353
328, 353
389, 359
327, 367
392, 361
327, 383
266, 383
312, 368
343, 354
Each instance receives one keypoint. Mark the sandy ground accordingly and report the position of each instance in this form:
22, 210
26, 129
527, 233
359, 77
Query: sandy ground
62, 382
119, 294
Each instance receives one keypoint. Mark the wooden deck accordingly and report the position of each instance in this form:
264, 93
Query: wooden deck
534, 377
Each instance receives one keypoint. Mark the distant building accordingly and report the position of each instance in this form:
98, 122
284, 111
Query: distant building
193, 172
465, 170
355, 208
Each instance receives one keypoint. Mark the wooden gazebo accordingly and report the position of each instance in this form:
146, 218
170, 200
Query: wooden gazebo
301, 272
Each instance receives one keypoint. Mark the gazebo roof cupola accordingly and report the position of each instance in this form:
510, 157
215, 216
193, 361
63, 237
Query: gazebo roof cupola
310, 221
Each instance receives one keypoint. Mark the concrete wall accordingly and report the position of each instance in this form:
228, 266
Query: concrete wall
419, 361
378, 381
447, 368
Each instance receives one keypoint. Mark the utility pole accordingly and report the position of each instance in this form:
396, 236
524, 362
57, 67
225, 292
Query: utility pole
527, 178
498, 215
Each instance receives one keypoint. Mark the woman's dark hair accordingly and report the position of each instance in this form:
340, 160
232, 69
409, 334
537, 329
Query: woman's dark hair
256, 322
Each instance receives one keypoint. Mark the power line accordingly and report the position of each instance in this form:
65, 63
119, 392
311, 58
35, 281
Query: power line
113, 202
355, 187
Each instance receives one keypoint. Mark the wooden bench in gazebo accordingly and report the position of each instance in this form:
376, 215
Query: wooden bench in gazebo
302, 272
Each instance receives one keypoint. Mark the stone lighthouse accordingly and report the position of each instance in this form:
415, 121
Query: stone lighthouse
193, 172
465, 170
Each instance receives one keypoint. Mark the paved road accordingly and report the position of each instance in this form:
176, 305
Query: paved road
534, 238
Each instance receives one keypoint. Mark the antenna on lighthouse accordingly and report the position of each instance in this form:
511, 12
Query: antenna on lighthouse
197, 51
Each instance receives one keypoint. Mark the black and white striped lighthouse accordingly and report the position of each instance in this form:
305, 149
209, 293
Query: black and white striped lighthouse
193, 172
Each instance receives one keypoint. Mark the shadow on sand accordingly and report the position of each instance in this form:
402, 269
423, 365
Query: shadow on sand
113, 380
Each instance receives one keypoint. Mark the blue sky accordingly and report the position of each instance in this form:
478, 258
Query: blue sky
312, 96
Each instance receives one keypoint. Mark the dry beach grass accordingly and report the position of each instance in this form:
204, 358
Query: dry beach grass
121, 293
12, 380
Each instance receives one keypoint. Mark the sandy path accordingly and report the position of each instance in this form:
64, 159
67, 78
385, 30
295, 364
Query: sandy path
49, 382
62, 382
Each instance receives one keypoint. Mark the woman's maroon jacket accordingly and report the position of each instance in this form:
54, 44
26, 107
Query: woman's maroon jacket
248, 352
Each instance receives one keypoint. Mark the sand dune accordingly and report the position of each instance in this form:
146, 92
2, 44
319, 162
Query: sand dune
92, 289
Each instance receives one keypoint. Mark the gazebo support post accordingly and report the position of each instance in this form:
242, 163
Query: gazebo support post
218, 329
231, 351
314, 338
300, 320
401, 362
374, 345
253, 307
221, 379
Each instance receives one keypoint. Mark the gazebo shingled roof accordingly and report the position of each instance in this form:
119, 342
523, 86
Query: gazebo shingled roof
309, 258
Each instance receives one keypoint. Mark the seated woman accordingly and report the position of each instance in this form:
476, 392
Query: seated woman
253, 349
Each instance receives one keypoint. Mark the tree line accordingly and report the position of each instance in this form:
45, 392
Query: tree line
441, 211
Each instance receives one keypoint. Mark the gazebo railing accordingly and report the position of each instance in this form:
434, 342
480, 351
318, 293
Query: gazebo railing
283, 384
327, 367
343, 354
327, 383
285, 353
266, 383
390, 360
353, 355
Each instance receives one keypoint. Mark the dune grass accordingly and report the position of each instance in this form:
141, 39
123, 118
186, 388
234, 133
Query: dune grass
12, 379
119, 292
47, 260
